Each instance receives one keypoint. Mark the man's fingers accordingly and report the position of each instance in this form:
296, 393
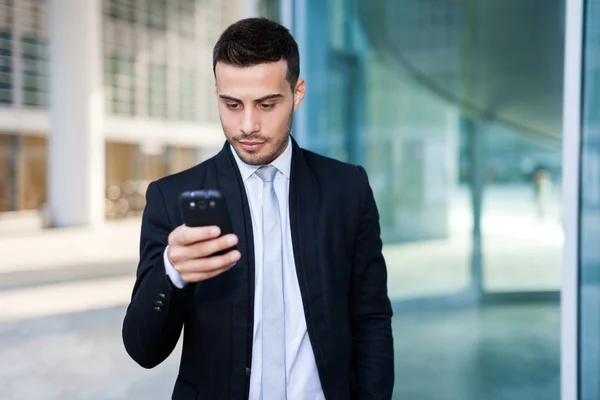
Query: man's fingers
210, 247
186, 235
179, 254
205, 268
208, 264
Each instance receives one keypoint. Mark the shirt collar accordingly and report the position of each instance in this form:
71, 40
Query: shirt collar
283, 163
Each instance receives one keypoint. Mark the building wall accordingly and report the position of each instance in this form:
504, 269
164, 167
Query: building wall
161, 116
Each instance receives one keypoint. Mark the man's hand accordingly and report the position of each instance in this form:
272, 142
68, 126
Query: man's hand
191, 252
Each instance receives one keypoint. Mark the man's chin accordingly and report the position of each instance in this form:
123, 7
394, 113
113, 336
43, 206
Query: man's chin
252, 157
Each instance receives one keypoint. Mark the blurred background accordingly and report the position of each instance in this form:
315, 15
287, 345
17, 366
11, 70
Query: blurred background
454, 107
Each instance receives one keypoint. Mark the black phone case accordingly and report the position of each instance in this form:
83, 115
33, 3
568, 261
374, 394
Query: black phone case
206, 208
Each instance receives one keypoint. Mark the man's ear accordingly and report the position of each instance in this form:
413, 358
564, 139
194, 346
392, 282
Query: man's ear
299, 93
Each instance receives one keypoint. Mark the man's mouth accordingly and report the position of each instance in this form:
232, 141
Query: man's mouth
251, 146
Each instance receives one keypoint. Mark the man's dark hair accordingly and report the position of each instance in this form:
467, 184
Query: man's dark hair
254, 41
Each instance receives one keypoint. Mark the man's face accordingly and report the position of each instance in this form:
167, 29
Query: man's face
256, 105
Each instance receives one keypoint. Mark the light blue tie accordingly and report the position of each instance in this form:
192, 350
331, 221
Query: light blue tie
273, 316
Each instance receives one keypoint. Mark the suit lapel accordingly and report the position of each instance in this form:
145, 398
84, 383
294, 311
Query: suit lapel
232, 187
304, 197
242, 274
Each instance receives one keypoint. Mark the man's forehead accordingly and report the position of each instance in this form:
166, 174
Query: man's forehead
250, 82
258, 71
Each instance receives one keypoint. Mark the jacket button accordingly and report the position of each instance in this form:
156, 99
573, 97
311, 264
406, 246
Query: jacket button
158, 303
157, 309
162, 295
247, 371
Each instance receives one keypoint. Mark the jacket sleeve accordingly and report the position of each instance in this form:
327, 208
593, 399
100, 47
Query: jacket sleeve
371, 311
157, 311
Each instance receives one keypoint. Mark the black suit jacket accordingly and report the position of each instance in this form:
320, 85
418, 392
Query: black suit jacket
341, 272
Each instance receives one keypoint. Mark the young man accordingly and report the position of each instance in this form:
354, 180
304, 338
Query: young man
299, 310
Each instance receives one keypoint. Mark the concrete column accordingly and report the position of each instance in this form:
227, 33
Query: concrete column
76, 146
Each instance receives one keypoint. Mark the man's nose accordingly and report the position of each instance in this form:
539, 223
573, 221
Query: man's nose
250, 123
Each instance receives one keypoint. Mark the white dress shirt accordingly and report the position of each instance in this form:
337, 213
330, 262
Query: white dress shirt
303, 381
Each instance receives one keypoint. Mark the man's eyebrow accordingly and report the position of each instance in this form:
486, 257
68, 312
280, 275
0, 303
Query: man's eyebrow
269, 97
226, 97
259, 100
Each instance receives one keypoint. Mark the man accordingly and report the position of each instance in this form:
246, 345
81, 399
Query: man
299, 310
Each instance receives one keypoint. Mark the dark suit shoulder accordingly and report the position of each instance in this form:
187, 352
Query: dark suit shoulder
331, 171
329, 164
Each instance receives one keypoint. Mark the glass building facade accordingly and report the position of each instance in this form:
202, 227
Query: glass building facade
454, 108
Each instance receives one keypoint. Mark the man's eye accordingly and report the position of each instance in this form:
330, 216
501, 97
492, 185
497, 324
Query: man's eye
233, 106
266, 106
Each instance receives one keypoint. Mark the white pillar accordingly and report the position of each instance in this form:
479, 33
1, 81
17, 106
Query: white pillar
76, 144
571, 174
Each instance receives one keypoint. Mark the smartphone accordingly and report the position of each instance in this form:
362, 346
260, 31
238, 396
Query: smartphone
206, 208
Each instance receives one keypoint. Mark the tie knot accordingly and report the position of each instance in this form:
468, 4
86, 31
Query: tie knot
267, 173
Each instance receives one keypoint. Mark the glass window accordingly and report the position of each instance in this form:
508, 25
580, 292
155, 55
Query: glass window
23, 167
187, 94
125, 187
121, 48
522, 189
121, 85
157, 14
131, 167
34, 69
187, 18
32, 167
6, 68
590, 209
34, 53
454, 108
6, 52
8, 176
157, 90
120, 9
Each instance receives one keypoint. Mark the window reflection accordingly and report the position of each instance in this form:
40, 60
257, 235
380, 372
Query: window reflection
454, 108
590, 210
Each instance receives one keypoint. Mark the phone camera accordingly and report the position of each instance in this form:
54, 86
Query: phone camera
192, 204
202, 204
212, 204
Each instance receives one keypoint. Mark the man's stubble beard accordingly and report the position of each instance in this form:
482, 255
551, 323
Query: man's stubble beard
261, 159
